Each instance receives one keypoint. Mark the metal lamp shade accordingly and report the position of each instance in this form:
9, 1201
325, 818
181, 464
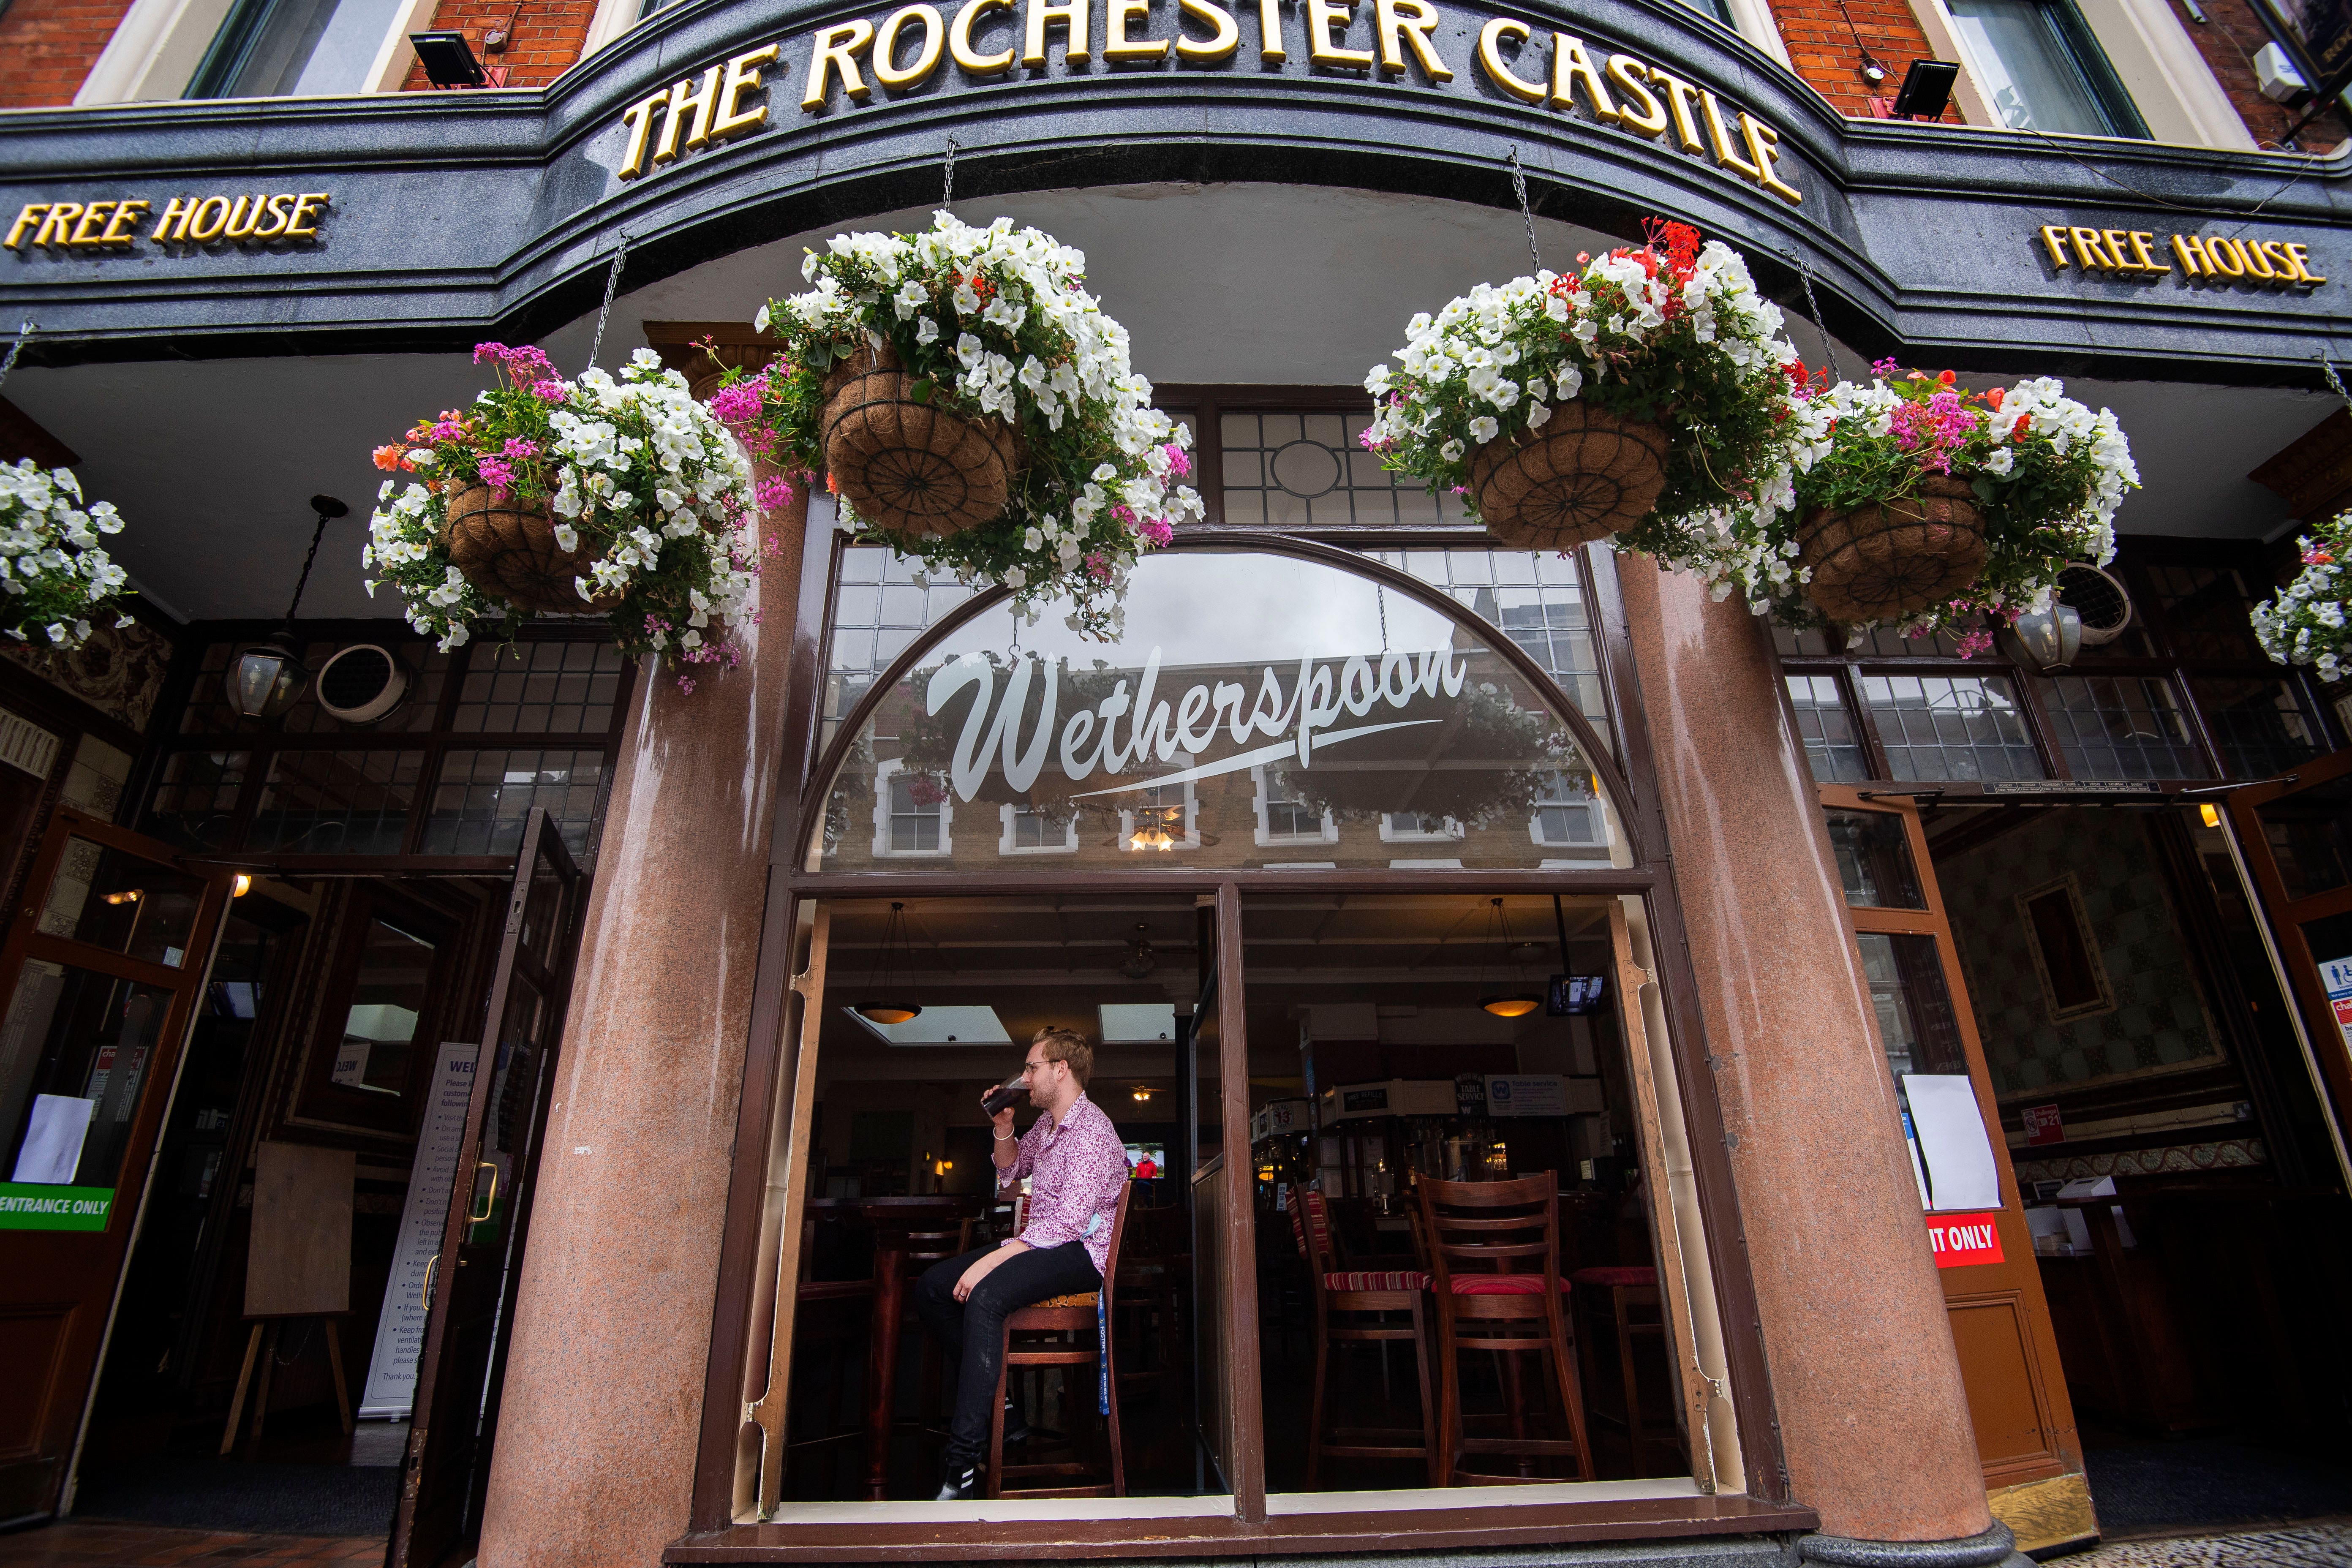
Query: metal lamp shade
265, 679
2049, 637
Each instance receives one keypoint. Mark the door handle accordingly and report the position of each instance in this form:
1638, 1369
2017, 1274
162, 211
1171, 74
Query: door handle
425, 1297
490, 1199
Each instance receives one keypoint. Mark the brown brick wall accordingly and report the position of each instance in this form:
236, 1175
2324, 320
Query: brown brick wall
1822, 46
49, 45
2227, 39
547, 36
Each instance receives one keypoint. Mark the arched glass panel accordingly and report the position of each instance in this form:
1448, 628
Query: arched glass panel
1261, 710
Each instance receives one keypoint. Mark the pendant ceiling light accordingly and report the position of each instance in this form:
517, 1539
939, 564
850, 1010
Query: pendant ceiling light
890, 983
1508, 999
267, 679
1140, 960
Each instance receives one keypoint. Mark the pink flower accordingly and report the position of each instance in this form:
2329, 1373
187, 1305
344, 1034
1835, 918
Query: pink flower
1156, 531
1179, 464
773, 492
496, 473
489, 350
551, 390
738, 404
685, 685
1098, 566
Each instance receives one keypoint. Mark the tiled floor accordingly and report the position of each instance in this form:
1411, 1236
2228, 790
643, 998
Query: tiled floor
80, 1544
2327, 1544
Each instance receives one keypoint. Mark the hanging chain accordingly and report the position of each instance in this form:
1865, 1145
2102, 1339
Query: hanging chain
304, 581
25, 335
947, 193
1820, 328
612, 281
1519, 189
2328, 367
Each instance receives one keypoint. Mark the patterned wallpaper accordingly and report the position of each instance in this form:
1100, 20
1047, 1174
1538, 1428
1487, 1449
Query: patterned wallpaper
2158, 1020
118, 673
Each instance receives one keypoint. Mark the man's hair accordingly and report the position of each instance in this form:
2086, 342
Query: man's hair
1068, 1045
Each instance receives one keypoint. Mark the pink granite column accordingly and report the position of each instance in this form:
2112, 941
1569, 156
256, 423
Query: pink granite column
603, 1386
1873, 1415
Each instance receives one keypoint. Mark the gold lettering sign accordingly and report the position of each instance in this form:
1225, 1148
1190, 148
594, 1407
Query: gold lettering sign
113, 224
914, 42
2218, 261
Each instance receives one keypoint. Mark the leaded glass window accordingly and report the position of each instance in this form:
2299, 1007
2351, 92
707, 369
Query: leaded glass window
1950, 727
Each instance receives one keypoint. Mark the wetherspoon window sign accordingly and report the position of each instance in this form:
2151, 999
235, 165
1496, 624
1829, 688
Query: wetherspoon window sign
1258, 711
1404, 41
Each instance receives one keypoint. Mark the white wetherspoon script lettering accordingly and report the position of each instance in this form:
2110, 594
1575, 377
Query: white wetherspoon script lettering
1315, 703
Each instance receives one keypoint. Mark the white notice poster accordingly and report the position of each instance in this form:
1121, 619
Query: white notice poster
400, 1330
53, 1139
1961, 1173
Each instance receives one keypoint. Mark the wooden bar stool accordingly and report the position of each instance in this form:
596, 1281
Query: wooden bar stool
909, 1236
1065, 1318
1353, 1292
1626, 1292
1493, 1248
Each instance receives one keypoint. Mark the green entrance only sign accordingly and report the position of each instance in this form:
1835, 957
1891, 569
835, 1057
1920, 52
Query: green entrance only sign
29, 1206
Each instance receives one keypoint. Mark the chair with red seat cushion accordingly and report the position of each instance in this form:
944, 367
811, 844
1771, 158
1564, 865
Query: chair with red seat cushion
1494, 1253
1361, 1301
1627, 1291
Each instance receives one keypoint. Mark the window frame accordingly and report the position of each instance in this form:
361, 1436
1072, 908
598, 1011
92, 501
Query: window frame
2168, 661
262, 743
2079, 51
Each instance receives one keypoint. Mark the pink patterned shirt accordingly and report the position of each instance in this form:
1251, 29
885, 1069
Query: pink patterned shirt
1076, 1173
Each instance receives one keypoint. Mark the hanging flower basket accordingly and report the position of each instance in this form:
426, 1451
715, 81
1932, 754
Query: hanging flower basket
1586, 475
2305, 623
906, 459
974, 409
510, 552
1885, 560
1567, 409
620, 497
54, 576
1919, 505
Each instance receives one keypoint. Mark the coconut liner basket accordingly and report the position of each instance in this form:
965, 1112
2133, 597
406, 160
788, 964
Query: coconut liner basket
511, 551
925, 469
1585, 475
1892, 559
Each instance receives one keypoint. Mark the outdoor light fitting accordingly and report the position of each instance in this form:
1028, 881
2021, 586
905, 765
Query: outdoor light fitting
2049, 637
266, 679
1927, 88
448, 60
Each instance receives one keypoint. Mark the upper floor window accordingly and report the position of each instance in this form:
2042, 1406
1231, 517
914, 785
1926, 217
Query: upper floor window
2043, 70
295, 49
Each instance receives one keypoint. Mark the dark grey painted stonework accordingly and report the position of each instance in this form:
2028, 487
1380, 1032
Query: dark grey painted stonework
458, 216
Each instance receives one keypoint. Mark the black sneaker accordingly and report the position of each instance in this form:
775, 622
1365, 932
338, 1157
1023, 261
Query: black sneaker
958, 1483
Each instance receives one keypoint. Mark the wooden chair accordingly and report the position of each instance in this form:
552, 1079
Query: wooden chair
1353, 1293
909, 1236
1066, 1318
1626, 1292
1494, 1253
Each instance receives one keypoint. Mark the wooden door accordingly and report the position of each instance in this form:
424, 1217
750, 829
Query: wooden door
102, 969
2294, 839
471, 1317
2026, 1439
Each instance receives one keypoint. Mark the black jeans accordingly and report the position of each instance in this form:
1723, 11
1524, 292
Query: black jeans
973, 1331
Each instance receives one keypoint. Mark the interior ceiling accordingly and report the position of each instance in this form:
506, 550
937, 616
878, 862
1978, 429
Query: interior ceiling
1048, 960
213, 462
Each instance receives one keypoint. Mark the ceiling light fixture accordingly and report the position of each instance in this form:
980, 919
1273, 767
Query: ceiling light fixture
267, 679
1140, 960
890, 1002
1142, 1095
1503, 1000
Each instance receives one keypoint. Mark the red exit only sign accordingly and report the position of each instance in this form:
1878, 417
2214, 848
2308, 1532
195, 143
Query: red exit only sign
1963, 1239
